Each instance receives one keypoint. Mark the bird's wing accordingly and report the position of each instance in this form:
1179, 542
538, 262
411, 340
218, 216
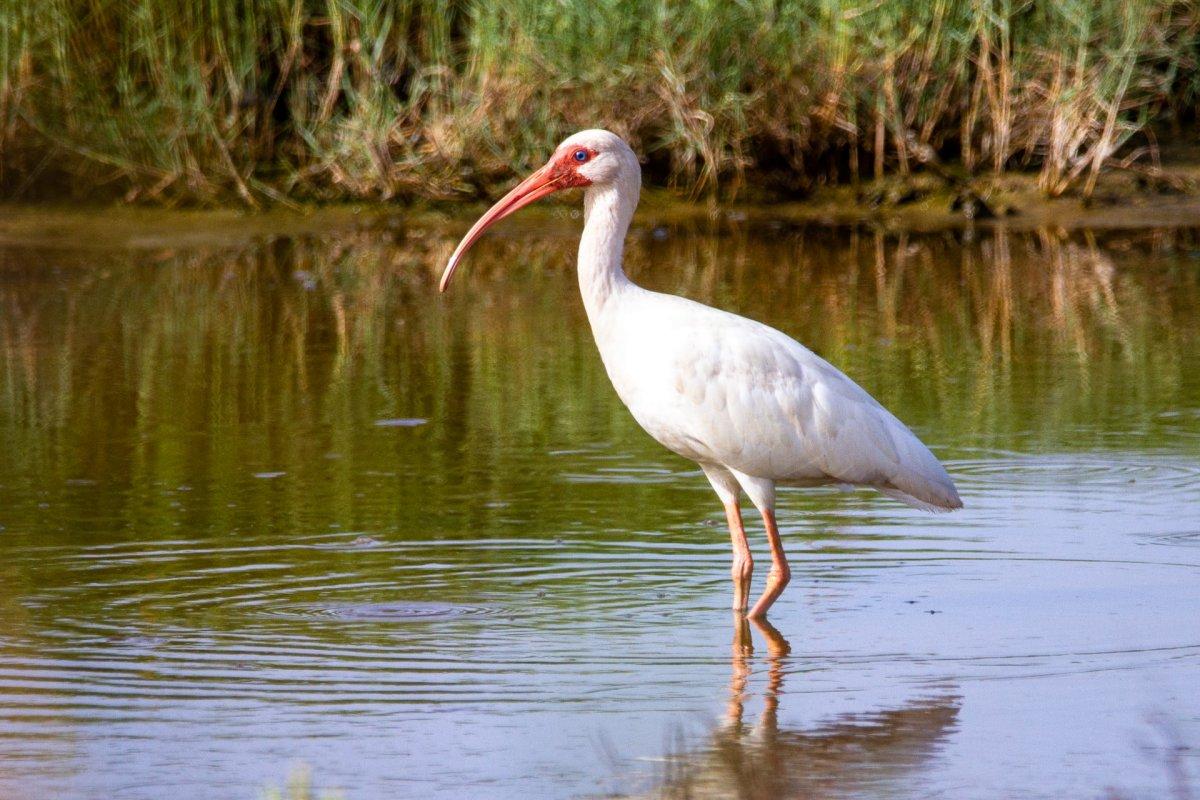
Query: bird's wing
771, 408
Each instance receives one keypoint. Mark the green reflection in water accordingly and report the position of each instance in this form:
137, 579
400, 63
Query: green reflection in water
207, 455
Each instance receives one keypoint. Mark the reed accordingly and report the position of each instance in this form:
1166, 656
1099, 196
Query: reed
211, 100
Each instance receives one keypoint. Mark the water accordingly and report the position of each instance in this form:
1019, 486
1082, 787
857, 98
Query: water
275, 502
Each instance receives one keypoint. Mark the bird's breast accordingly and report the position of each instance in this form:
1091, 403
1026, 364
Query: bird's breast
710, 393
668, 390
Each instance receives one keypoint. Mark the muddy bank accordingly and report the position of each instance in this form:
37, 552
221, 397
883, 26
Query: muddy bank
924, 202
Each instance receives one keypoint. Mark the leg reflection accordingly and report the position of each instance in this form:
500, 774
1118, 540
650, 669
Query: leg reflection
743, 649
778, 649
868, 748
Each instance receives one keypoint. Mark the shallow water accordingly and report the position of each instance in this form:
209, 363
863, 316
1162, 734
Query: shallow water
280, 503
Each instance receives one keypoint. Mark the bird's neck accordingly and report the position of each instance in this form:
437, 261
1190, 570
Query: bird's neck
607, 212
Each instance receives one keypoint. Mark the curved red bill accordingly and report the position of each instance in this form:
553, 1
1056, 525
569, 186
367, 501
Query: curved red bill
538, 185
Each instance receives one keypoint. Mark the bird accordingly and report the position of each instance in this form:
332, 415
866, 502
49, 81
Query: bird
753, 407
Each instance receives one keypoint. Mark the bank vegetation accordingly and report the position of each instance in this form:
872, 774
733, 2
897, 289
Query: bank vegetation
260, 101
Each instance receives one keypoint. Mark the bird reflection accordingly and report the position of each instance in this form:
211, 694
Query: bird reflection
862, 752
778, 649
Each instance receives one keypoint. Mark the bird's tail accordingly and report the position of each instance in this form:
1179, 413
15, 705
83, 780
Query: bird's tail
938, 505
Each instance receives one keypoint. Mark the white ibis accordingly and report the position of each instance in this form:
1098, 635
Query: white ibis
752, 406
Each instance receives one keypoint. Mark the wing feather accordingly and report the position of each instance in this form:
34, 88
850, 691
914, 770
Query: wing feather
765, 405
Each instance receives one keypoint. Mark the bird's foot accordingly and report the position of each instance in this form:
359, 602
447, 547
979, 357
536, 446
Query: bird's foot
777, 580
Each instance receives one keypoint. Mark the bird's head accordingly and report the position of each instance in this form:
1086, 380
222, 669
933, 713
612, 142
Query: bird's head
592, 158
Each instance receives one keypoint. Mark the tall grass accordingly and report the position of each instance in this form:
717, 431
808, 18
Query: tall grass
206, 100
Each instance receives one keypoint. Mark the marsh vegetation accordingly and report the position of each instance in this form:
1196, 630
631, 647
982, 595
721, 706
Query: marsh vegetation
218, 100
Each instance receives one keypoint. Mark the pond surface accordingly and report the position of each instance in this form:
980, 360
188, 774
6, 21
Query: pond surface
279, 503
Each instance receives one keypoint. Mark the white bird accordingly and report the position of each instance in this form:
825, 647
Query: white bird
752, 406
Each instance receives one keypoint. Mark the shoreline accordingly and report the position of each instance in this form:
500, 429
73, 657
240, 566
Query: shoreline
1119, 204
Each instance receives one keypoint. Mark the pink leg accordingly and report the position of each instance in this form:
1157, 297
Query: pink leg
743, 563
779, 575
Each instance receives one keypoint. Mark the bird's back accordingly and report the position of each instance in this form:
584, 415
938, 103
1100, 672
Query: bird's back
723, 389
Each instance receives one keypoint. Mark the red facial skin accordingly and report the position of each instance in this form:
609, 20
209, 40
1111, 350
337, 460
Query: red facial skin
564, 171
560, 173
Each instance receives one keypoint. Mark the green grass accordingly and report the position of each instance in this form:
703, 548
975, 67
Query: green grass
261, 100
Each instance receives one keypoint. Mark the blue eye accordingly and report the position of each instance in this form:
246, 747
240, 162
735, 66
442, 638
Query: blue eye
580, 155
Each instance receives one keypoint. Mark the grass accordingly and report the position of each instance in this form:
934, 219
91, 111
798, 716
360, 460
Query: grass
203, 101
299, 787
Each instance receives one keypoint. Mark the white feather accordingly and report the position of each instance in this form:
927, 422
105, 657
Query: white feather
740, 398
